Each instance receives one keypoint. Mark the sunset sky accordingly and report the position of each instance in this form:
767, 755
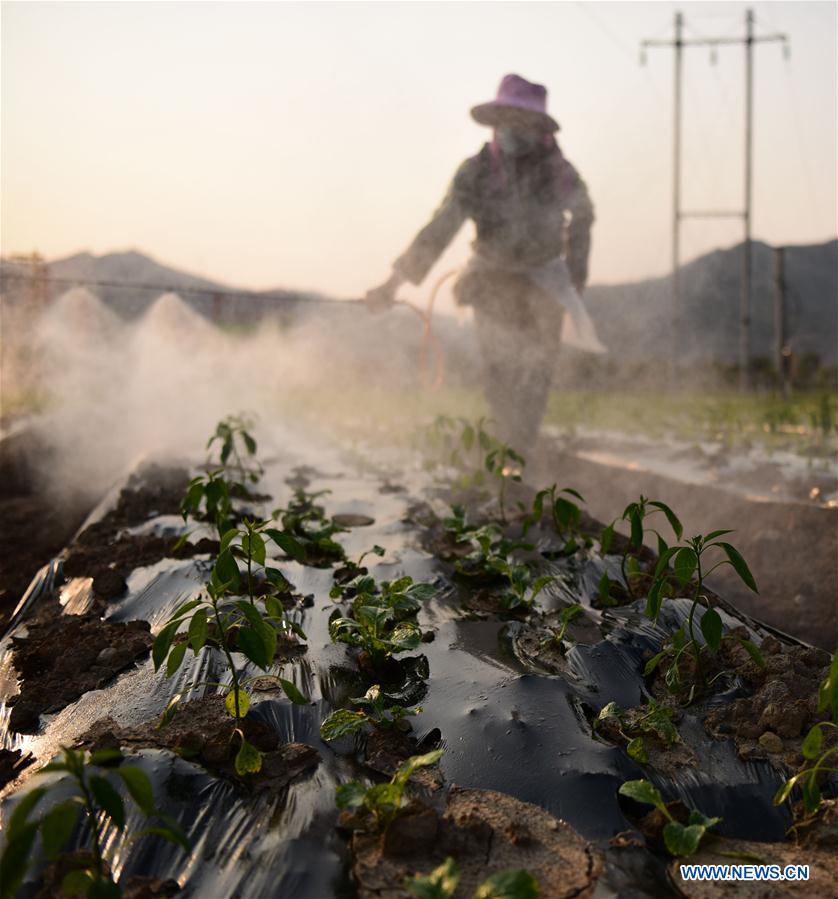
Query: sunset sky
303, 144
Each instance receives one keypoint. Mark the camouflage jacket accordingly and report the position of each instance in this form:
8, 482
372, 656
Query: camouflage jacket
526, 213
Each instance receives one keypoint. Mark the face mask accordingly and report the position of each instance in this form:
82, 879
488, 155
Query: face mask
517, 141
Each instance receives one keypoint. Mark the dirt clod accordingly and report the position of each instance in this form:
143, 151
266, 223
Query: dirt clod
783, 705
12, 762
485, 832
64, 657
203, 730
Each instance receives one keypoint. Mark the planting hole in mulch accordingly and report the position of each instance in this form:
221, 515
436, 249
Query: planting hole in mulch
486, 832
203, 731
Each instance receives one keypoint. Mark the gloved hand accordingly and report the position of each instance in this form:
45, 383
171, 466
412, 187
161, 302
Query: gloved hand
384, 296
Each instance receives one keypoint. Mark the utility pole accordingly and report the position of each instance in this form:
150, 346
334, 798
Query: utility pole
678, 44
782, 348
677, 311
747, 249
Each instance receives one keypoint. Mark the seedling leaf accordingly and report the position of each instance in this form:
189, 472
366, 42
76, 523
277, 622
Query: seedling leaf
340, 723
162, 643
739, 565
515, 884
252, 644
685, 564
287, 543
248, 759
230, 703
813, 742
139, 786
77, 883
18, 818
175, 658
642, 791
606, 539
350, 795
637, 750
57, 825
711, 627
292, 692
197, 633
109, 799
441, 883
680, 840
752, 651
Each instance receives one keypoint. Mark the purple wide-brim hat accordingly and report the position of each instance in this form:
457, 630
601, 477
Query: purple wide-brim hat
519, 102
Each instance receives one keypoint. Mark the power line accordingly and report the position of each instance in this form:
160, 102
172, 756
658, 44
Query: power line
163, 288
679, 43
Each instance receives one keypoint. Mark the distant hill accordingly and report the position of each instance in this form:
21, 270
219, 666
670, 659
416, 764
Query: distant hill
150, 279
635, 318
632, 319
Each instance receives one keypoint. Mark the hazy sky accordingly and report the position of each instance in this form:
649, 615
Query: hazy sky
304, 144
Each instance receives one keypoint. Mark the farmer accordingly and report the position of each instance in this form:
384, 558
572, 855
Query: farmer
533, 218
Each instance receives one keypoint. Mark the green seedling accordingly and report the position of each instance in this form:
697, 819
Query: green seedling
208, 497
522, 587
382, 618
383, 801
457, 526
504, 464
237, 448
373, 712
490, 551
458, 443
565, 515
402, 596
348, 578
515, 883
375, 631
680, 839
689, 572
96, 802
382, 621
636, 514
635, 724
442, 882
820, 760
828, 691
249, 543
557, 634
228, 623
307, 522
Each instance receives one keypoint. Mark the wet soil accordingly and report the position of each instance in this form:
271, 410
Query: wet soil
102, 551
110, 563
790, 548
203, 731
772, 722
486, 832
36, 525
65, 656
